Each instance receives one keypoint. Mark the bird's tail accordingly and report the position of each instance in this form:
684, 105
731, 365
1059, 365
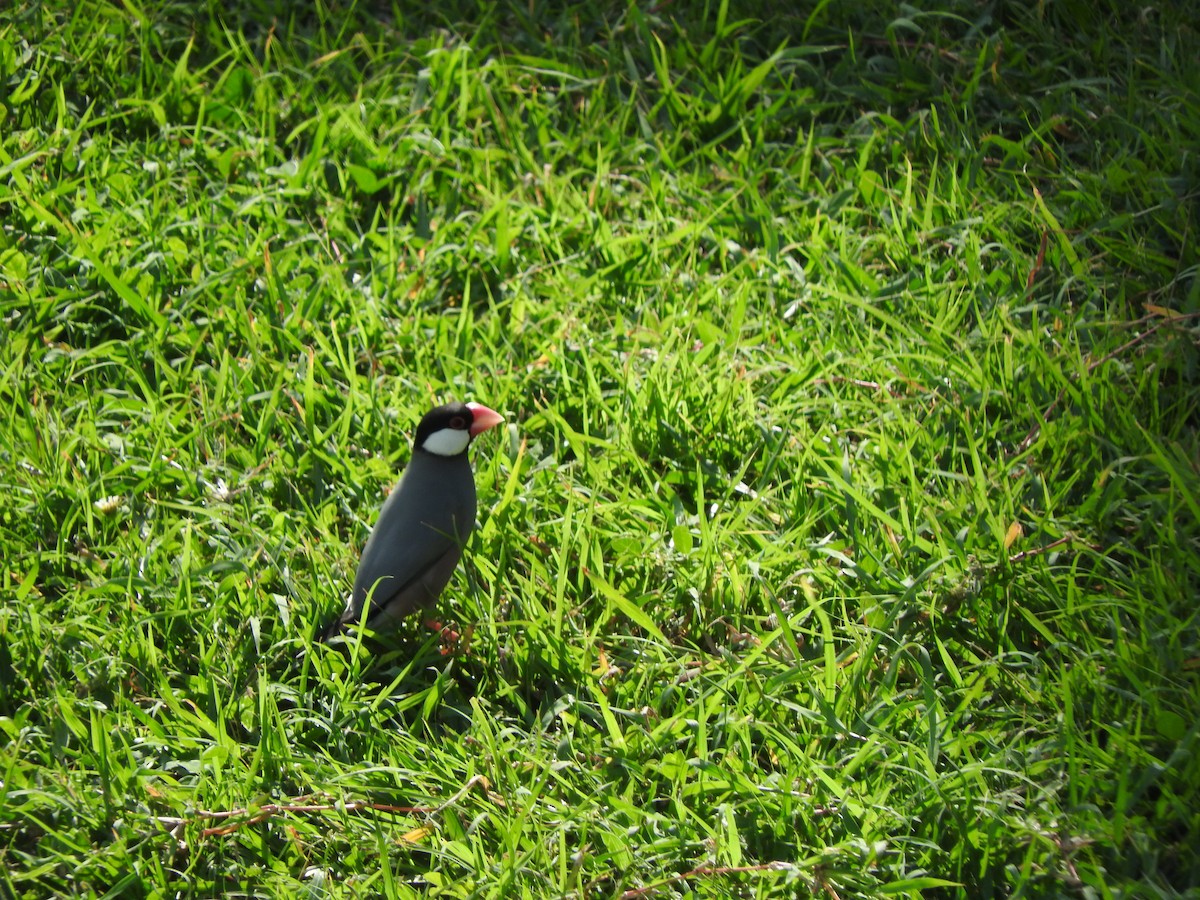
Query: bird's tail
330, 630
335, 627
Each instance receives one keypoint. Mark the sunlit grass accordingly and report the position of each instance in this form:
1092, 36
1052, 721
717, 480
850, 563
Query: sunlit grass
843, 539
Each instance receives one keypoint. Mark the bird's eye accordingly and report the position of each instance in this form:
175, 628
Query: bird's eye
458, 423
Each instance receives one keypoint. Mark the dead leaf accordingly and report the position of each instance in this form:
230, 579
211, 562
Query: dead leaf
415, 836
1014, 532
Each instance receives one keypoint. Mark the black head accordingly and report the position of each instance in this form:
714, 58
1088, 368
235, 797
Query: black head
447, 430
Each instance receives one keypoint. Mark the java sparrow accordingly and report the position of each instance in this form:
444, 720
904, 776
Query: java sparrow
424, 523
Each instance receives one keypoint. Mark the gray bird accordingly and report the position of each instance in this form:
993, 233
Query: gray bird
424, 524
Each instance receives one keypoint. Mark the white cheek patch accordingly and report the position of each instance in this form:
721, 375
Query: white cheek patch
447, 441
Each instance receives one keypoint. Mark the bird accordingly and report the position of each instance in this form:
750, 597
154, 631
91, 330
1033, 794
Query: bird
423, 526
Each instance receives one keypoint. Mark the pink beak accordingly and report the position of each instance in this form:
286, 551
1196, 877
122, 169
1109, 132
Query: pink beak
482, 419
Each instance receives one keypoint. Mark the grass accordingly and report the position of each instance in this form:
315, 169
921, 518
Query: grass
844, 538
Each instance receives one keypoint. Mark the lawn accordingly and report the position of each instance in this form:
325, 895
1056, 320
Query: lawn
843, 539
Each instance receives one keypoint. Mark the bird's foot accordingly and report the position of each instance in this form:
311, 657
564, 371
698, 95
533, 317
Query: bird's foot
452, 641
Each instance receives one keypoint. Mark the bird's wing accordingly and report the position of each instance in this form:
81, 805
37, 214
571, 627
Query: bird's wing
413, 548
397, 560
391, 604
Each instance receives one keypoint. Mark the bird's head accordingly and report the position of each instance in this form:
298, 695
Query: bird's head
447, 430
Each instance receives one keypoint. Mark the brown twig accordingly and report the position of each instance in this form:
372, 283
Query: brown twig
1039, 262
269, 810
857, 382
1038, 551
915, 45
1096, 363
703, 871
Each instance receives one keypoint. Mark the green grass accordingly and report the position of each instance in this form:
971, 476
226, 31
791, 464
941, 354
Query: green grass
845, 537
